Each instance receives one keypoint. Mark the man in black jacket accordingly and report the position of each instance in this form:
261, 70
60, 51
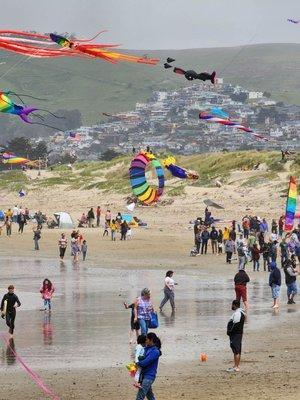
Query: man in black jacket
214, 240
9, 304
204, 240
235, 329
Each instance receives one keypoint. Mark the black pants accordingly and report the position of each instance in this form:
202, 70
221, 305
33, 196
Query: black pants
204, 247
62, 251
21, 227
123, 235
198, 247
228, 256
10, 320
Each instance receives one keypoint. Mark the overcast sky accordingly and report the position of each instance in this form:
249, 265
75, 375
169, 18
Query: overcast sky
160, 24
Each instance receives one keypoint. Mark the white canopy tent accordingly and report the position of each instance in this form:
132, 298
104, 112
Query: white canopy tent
64, 220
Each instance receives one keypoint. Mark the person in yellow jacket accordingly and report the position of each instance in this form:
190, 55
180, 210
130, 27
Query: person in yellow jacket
226, 234
113, 227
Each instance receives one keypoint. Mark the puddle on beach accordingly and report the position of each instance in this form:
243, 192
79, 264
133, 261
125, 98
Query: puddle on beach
89, 327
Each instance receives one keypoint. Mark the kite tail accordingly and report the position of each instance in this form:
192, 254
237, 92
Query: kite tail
25, 112
51, 113
213, 77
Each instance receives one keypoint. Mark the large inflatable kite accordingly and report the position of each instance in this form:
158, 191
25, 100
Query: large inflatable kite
41, 46
139, 184
229, 122
293, 21
177, 171
291, 204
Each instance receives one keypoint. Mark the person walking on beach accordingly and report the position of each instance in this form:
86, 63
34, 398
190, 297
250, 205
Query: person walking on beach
9, 304
106, 226
240, 280
275, 283
242, 258
108, 217
84, 250
255, 257
124, 229
8, 224
290, 280
143, 309
91, 217
168, 291
37, 234
229, 248
21, 219
47, 290
75, 250
113, 230
235, 330
98, 216
62, 245
148, 365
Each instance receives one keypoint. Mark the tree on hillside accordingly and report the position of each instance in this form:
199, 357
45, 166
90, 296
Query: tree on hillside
109, 154
22, 147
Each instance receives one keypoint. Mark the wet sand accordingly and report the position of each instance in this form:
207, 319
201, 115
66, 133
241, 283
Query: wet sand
81, 349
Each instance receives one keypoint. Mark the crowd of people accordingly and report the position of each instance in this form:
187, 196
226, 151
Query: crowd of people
111, 225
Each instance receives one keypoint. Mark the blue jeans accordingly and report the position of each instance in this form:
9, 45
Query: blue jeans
256, 265
47, 304
144, 324
145, 390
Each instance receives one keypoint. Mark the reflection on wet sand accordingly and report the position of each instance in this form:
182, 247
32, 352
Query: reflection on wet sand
88, 325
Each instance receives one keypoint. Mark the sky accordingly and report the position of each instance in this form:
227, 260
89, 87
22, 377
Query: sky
160, 24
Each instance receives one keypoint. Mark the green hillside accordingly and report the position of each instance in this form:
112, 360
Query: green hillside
94, 86
113, 177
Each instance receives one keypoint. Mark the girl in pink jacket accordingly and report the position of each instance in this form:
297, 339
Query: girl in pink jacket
47, 291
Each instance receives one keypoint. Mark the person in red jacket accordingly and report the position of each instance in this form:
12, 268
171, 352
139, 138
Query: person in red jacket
255, 257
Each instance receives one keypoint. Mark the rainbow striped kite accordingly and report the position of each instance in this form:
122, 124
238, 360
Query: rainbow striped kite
291, 203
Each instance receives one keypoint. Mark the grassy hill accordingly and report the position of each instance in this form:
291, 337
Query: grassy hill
94, 86
112, 177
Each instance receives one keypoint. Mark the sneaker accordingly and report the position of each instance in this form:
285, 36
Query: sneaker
230, 369
293, 302
290, 301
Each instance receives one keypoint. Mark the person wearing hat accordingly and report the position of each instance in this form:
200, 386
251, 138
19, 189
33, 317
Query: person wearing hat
143, 309
275, 283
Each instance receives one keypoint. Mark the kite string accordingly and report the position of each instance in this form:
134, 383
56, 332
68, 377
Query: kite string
33, 375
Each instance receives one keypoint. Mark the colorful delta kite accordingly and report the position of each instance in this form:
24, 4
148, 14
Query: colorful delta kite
191, 75
293, 21
291, 204
7, 106
219, 112
42, 46
229, 122
177, 171
139, 184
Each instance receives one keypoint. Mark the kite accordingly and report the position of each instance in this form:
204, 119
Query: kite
229, 122
139, 184
219, 112
41, 46
16, 160
291, 203
191, 75
211, 203
22, 193
294, 21
7, 106
177, 171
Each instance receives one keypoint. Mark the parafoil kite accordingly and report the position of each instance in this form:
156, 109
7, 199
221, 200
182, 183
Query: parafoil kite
191, 75
294, 21
291, 204
7, 106
139, 184
11, 158
40, 46
219, 112
177, 171
229, 122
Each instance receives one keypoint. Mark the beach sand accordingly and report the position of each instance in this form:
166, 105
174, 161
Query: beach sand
84, 357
